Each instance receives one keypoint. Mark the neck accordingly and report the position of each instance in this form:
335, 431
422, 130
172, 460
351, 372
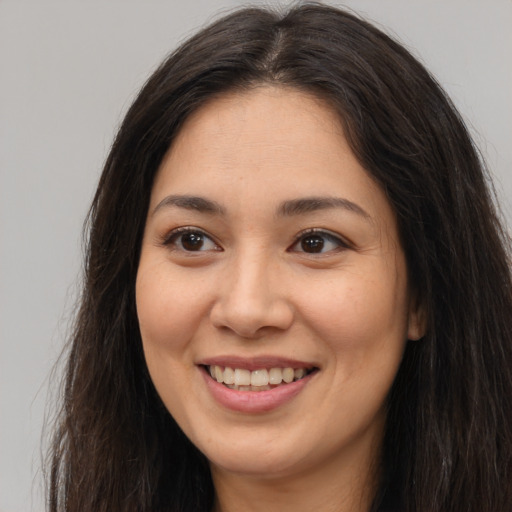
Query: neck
349, 486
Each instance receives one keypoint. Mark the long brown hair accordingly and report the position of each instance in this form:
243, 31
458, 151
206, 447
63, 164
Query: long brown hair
448, 445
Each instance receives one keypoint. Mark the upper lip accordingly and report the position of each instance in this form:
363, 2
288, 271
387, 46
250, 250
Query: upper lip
255, 363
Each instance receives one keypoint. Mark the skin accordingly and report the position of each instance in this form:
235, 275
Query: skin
254, 289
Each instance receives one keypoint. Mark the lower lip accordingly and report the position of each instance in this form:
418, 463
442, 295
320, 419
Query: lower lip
254, 401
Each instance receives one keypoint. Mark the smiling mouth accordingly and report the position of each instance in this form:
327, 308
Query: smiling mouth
240, 379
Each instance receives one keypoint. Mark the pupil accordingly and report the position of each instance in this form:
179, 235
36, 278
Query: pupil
192, 241
312, 243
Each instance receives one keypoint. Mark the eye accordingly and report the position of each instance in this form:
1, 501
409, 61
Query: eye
190, 240
318, 242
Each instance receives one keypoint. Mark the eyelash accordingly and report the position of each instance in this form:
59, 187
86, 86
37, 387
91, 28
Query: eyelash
322, 234
172, 239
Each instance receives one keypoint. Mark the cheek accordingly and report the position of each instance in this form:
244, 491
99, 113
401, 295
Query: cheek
169, 311
362, 320
169, 308
363, 326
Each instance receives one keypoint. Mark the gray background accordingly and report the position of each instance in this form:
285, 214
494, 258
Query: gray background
68, 71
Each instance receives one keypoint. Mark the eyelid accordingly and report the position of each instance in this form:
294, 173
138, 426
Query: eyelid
170, 237
343, 242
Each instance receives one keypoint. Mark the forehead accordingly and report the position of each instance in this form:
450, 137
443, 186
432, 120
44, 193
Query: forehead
265, 144
270, 117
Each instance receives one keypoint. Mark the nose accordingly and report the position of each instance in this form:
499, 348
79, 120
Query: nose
252, 300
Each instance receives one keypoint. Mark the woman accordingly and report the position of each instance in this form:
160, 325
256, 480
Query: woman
297, 291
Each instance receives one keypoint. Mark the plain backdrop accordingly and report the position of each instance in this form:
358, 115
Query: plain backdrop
68, 71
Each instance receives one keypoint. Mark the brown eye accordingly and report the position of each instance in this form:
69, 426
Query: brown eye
312, 243
191, 240
318, 242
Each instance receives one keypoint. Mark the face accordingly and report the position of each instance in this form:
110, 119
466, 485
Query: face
271, 261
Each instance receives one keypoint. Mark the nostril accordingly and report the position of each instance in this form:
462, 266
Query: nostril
252, 320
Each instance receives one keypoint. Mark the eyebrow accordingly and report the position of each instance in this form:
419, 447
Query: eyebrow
288, 208
196, 203
313, 204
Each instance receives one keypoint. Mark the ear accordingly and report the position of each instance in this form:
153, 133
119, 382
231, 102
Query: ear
417, 319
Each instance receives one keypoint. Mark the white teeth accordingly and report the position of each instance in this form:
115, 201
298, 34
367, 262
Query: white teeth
298, 374
229, 375
288, 375
242, 377
257, 380
275, 376
260, 388
219, 374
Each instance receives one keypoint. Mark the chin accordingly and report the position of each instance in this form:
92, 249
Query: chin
255, 464
256, 457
